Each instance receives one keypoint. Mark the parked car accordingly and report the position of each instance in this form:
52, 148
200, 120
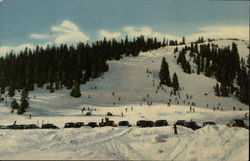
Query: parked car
15, 127
92, 124
159, 123
180, 122
192, 124
109, 114
69, 125
49, 126
79, 124
88, 113
124, 123
138, 123
10, 127
31, 126
2, 127
147, 124
208, 123
236, 123
20, 127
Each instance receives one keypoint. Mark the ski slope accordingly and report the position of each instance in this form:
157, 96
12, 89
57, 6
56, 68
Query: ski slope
128, 80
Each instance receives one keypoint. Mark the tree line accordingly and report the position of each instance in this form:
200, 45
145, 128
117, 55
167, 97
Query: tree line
224, 64
66, 66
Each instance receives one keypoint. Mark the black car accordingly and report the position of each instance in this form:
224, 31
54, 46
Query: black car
88, 113
159, 123
124, 123
109, 114
31, 126
236, 123
49, 126
10, 127
79, 124
15, 127
2, 127
180, 122
69, 125
191, 124
92, 124
138, 123
147, 124
208, 123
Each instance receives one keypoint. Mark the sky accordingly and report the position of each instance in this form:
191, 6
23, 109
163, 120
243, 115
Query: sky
40, 22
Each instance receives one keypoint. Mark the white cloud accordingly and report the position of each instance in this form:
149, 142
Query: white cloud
1, 1
132, 31
240, 32
108, 35
39, 36
67, 32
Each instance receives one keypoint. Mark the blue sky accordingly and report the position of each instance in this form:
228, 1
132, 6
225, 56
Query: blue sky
32, 22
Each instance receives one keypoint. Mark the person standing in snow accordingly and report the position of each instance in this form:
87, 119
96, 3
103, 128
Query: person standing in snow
190, 108
30, 116
122, 114
175, 129
193, 110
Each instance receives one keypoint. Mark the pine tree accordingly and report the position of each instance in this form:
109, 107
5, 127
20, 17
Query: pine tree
24, 101
198, 64
187, 67
11, 91
224, 90
175, 83
208, 69
2, 81
217, 90
75, 91
183, 40
14, 104
164, 73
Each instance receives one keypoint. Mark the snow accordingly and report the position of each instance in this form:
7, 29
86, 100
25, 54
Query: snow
128, 79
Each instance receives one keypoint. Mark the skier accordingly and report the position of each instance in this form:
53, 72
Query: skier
193, 110
122, 114
126, 109
175, 129
233, 108
190, 108
14, 122
30, 116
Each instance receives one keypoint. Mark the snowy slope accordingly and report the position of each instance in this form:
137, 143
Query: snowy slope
128, 79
